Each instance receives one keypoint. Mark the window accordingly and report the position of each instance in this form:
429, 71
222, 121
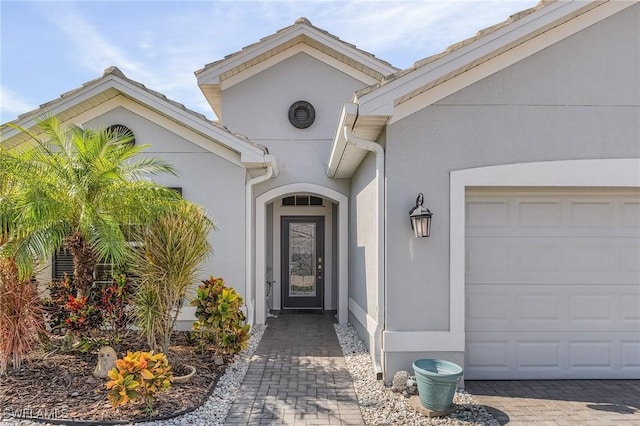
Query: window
62, 264
123, 130
302, 200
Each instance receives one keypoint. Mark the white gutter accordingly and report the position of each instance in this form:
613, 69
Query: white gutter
380, 243
272, 171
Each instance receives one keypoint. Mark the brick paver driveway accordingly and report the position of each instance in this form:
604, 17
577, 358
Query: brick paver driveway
558, 402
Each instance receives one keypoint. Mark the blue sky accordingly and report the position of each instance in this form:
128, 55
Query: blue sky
50, 47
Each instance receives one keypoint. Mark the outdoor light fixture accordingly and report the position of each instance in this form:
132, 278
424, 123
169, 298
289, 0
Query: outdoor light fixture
420, 218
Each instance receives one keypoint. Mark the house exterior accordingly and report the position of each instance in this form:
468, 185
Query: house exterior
524, 140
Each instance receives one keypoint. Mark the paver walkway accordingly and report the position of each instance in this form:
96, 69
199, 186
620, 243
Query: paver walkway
297, 376
560, 402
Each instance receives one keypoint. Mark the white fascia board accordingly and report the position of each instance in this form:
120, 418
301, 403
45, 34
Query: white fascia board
212, 75
57, 106
294, 50
348, 116
383, 98
205, 142
369, 61
248, 152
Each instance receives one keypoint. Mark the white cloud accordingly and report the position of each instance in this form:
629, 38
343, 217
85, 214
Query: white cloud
12, 105
162, 48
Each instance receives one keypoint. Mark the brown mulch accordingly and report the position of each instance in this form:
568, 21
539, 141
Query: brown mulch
61, 385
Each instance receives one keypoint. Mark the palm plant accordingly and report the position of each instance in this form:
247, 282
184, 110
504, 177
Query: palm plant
167, 263
76, 188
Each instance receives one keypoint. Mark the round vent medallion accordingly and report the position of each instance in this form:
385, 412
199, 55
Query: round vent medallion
302, 114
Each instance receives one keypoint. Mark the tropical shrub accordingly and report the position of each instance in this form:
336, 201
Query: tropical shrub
166, 263
115, 300
139, 375
105, 314
55, 304
219, 314
76, 188
21, 319
83, 316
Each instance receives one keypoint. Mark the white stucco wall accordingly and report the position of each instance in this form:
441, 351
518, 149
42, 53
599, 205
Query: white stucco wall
363, 265
578, 99
258, 108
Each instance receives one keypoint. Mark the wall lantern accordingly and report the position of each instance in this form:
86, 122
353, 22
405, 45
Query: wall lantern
420, 218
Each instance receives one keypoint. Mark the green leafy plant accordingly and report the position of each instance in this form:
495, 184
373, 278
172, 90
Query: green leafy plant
138, 375
21, 319
220, 318
172, 251
76, 187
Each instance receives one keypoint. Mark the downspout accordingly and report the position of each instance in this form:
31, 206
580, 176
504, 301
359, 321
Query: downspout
380, 246
272, 171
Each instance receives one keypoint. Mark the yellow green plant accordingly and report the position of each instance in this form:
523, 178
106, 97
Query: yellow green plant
167, 263
220, 318
139, 375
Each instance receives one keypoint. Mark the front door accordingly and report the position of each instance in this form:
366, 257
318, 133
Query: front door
302, 262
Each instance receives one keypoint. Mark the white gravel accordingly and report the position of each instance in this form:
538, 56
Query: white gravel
381, 406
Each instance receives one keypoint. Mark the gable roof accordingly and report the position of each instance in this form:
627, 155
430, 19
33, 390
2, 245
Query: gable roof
462, 64
114, 83
301, 36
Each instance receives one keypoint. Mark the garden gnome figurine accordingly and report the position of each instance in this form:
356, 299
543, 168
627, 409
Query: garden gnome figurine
106, 361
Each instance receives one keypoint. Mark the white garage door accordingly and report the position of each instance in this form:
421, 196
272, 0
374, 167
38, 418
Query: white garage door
552, 284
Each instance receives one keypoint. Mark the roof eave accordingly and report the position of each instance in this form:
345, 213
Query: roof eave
345, 158
210, 74
385, 97
348, 117
248, 152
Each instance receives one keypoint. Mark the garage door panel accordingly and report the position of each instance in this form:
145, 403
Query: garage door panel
492, 260
538, 354
489, 353
552, 307
630, 312
553, 284
539, 214
630, 354
558, 260
544, 355
589, 214
596, 353
490, 212
630, 214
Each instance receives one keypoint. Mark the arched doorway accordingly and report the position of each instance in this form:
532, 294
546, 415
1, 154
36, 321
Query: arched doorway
341, 236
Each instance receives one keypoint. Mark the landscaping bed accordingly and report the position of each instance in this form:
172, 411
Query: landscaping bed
60, 385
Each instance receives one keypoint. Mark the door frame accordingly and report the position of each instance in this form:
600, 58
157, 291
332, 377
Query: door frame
280, 211
342, 244
321, 243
